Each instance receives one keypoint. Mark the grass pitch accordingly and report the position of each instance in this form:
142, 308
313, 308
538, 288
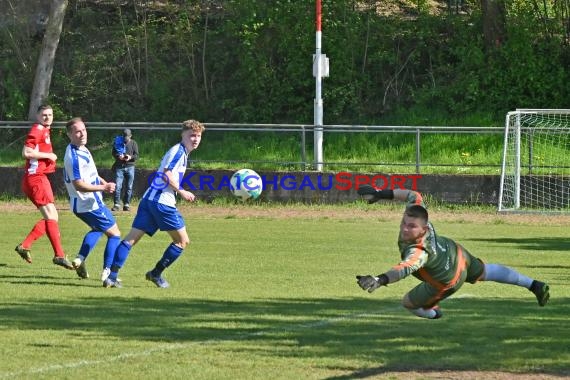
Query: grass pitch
271, 293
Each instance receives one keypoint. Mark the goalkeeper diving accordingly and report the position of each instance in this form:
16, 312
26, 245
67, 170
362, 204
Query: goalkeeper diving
441, 264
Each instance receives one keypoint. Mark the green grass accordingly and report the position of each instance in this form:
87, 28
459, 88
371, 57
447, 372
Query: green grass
381, 152
274, 296
368, 152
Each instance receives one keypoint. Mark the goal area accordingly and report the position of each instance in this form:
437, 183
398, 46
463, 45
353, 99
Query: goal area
535, 174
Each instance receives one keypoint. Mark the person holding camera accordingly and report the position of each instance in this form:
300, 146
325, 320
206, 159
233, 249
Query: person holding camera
125, 152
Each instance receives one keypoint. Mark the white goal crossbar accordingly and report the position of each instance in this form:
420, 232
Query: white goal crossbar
535, 174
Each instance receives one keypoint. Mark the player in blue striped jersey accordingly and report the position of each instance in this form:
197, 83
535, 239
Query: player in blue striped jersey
157, 208
85, 188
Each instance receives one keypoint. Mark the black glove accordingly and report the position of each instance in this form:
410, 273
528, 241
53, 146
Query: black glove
371, 283
369, 193
373, 195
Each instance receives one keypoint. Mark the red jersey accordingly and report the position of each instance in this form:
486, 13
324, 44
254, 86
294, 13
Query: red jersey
38, 139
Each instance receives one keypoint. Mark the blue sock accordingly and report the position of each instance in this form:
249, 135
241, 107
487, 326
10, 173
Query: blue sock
121, 254
89, 241
172, 253
110, 248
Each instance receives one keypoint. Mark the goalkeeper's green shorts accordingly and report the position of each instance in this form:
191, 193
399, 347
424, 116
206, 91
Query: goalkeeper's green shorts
427, 295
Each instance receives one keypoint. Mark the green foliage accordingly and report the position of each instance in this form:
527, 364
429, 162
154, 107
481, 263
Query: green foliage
250, 61
270, 78
15, 101
17, 52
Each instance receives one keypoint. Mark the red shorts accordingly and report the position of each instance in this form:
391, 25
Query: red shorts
38, 189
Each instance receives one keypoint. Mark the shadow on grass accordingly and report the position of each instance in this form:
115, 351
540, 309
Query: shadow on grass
40, 279
538, 244
475, 334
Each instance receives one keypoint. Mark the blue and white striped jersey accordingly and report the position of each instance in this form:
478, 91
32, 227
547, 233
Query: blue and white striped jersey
79, 165
175, 161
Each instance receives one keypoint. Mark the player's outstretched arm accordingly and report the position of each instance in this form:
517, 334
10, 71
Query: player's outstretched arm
374, 195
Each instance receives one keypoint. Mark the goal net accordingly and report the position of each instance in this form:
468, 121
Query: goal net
535, 175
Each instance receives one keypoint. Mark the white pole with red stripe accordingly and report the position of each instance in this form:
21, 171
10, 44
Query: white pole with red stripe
320, 70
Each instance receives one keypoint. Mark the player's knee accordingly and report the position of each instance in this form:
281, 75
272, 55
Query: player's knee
113, 231
50, 213
407, 302
183, 243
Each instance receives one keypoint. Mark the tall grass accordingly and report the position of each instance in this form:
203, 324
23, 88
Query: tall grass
283, 151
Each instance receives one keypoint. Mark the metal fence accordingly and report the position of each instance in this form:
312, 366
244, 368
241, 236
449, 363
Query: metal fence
305, 134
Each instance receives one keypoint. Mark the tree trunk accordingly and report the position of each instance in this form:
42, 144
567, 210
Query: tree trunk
44, 68
494, 23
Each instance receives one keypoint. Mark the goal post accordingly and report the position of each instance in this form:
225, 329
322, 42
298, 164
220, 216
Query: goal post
535, 172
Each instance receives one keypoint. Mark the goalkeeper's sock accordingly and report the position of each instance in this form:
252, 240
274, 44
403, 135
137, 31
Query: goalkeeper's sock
506, 275
433, 313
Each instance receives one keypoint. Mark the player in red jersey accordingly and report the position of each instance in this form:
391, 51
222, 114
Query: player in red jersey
40, 161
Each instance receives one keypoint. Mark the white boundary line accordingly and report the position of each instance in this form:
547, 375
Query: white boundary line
181, 346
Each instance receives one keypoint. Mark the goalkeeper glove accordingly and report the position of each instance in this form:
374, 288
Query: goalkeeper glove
373, 195
371, 283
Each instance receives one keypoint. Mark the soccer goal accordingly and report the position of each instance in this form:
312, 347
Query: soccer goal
535, 175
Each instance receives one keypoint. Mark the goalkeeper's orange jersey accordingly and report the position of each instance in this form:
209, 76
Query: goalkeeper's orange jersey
433, 258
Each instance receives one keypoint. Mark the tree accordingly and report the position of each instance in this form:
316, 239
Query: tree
494, 22
44, 68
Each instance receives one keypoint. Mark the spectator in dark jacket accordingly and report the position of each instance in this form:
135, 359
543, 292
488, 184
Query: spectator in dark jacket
125, 152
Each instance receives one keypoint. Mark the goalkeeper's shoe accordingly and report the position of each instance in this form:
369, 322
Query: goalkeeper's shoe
541, 291
62, 262
157, 280
80, 268
24, 253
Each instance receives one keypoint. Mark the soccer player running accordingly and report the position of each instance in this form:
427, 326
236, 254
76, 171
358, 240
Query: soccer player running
441, 264
40, 161
157, 208
85, 187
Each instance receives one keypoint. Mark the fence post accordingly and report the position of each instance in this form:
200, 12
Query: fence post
303, 150
418, 135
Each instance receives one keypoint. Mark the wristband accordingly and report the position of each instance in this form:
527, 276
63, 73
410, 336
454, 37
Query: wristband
385, 194
382, 279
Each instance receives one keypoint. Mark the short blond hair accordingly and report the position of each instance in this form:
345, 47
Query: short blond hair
72, 122
194, 125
